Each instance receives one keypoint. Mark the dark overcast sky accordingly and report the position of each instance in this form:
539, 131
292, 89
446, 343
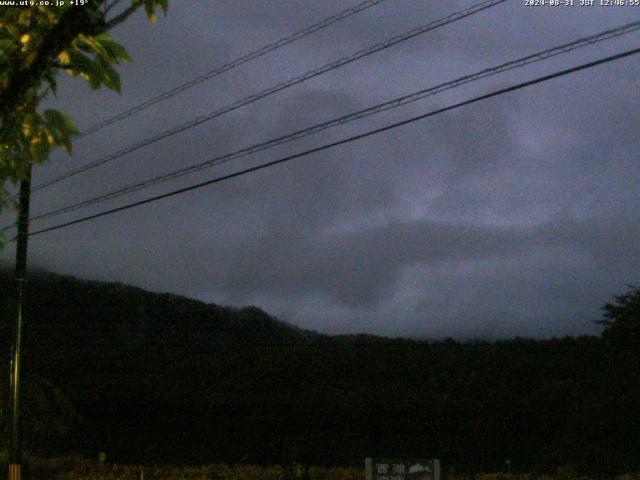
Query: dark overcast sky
515, 216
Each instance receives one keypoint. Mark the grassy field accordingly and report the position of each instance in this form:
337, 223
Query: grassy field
74, 468
79, 469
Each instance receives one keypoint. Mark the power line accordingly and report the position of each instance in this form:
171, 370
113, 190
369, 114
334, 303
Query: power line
395, 103
277, 88
343, 141
233, 64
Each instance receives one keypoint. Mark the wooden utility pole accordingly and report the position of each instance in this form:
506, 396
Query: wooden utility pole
15, 453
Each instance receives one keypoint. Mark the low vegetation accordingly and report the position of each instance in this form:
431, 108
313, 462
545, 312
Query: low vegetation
76, 468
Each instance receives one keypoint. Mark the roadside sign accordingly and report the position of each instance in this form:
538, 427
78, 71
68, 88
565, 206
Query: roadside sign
401, 469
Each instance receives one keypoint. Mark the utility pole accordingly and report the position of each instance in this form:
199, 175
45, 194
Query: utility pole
20, 277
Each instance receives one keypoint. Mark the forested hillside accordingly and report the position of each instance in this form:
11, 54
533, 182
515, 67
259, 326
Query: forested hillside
160, 378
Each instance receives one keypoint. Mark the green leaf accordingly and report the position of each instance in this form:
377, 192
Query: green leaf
62, 140
87, 68
61, 121
54, 135
91, 45
110, 77
116, 51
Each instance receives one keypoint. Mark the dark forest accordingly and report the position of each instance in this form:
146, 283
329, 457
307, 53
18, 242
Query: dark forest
153, 377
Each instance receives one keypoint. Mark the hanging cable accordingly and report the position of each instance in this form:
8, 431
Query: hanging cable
305, 32
274, 89
327, 146
395, 103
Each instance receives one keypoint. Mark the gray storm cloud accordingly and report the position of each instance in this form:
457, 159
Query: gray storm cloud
515, 216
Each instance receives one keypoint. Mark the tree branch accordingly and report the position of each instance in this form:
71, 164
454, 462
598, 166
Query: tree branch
109, 7
118, 19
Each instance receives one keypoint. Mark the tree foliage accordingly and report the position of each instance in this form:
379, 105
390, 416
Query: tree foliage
622, 318
36, 43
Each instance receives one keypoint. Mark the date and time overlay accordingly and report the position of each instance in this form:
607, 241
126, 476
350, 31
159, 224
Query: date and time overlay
581, 3
526, 3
